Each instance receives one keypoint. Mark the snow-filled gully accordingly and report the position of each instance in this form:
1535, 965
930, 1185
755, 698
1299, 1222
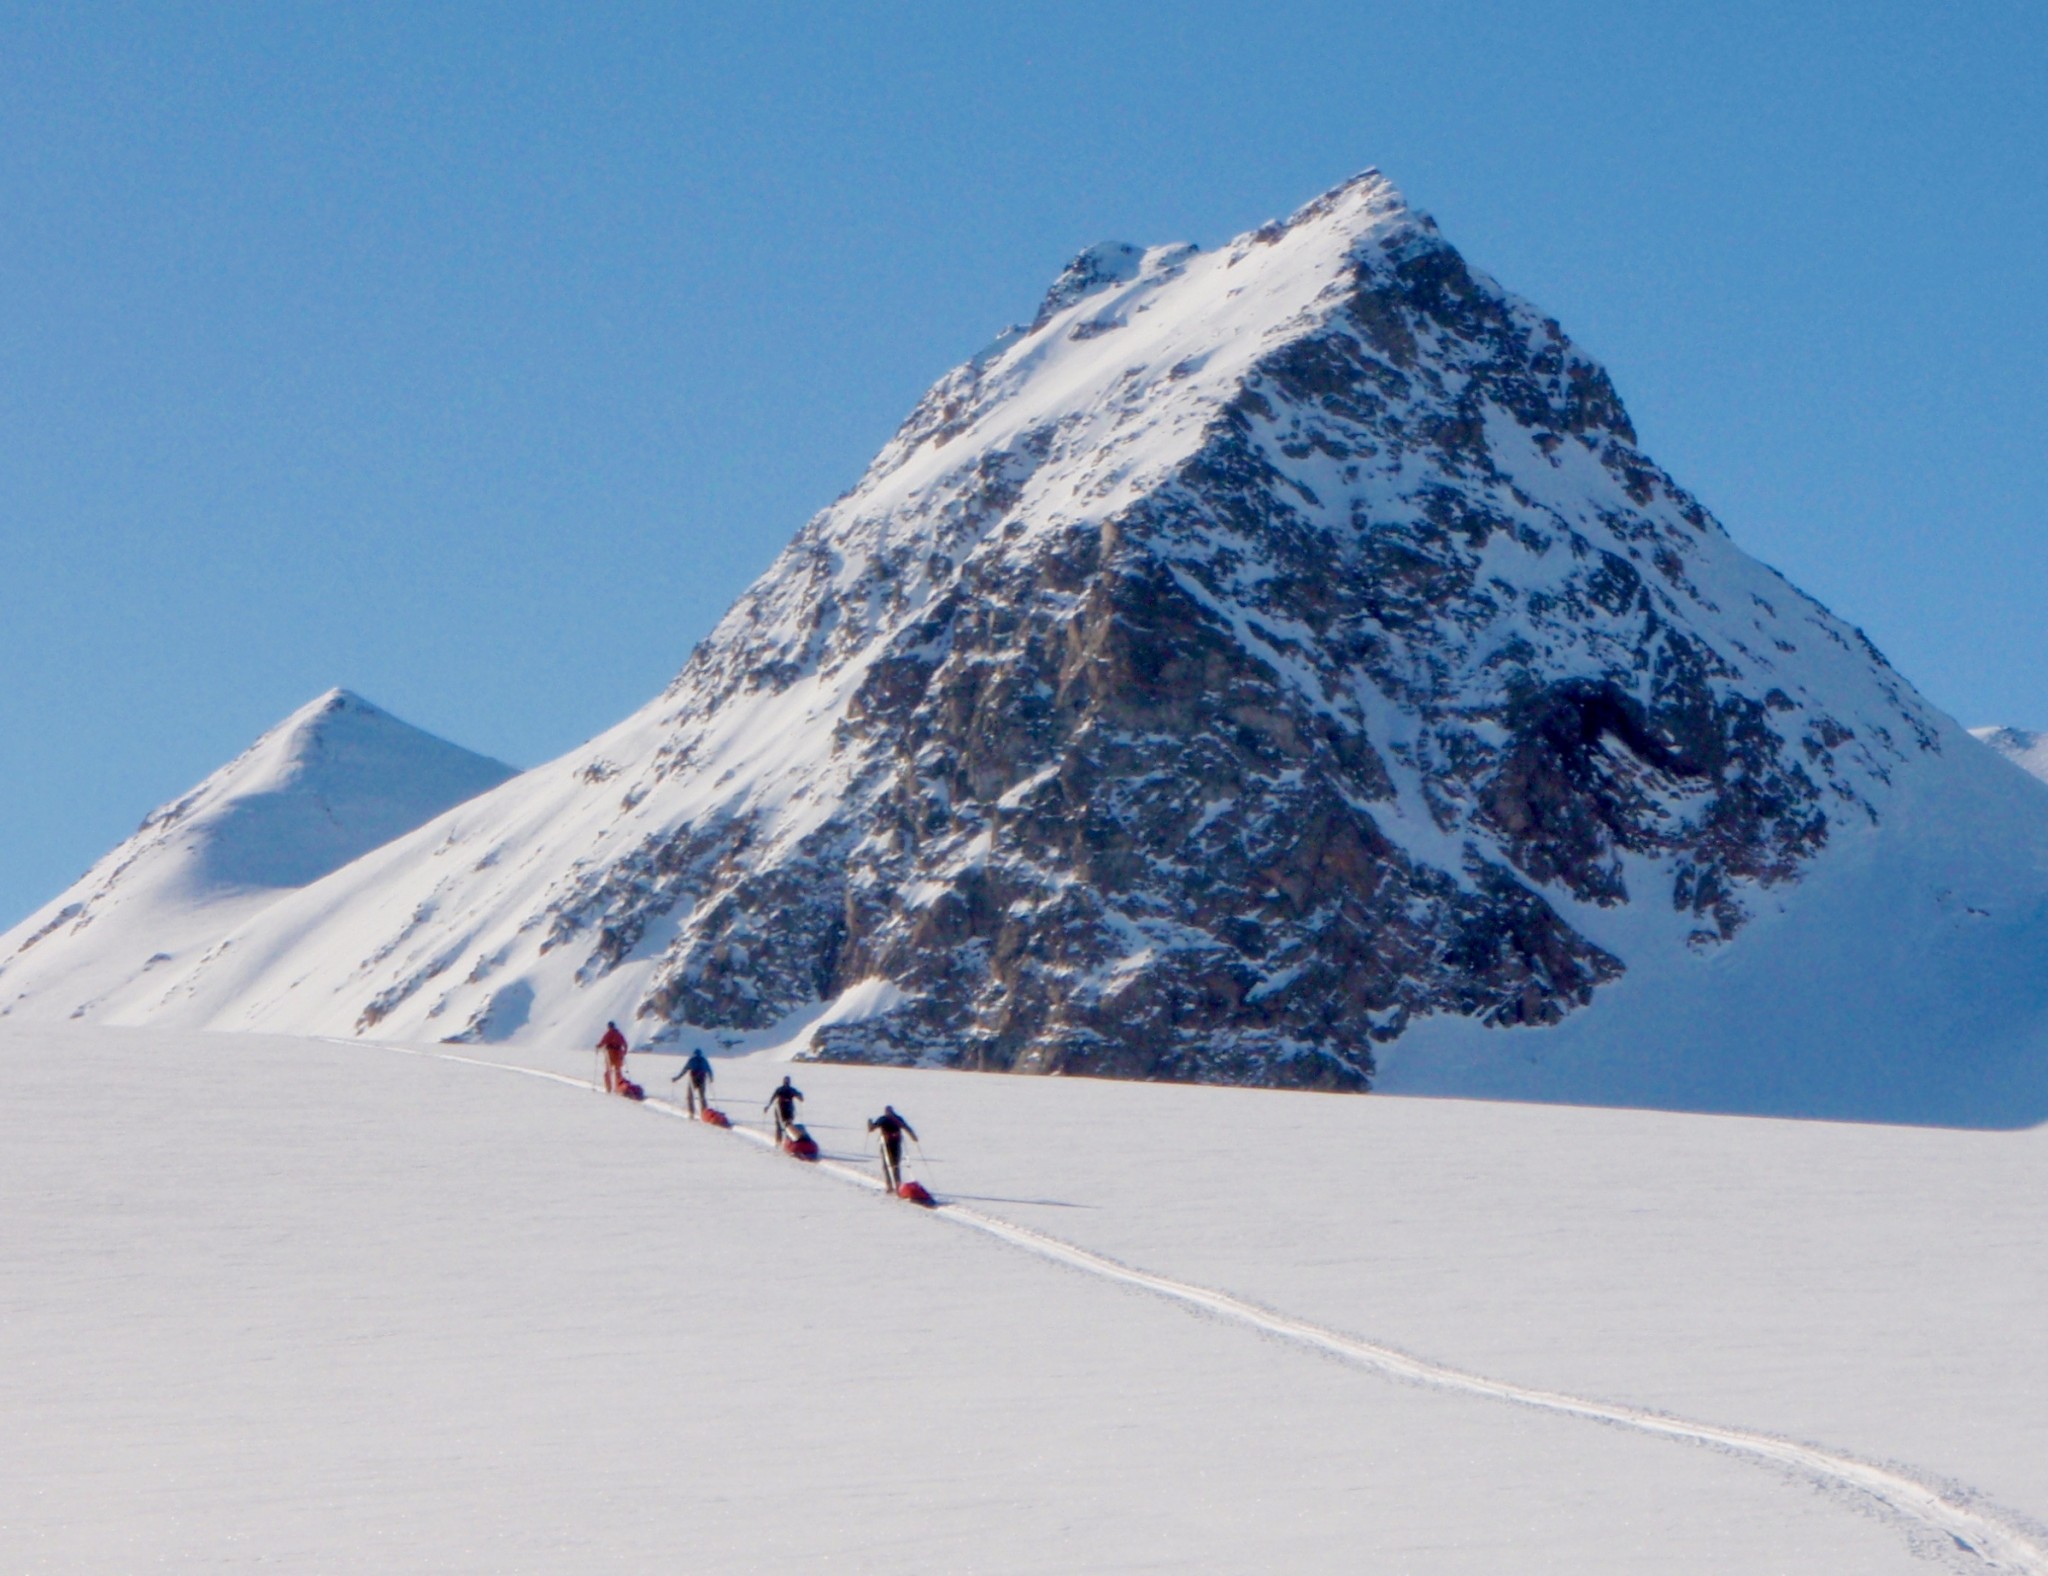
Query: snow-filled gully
1996, 1544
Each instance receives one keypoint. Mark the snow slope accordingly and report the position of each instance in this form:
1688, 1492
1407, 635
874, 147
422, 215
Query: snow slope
2028, 751
330, 1307
336, 778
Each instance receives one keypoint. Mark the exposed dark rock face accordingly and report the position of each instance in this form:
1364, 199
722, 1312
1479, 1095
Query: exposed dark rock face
1325, 666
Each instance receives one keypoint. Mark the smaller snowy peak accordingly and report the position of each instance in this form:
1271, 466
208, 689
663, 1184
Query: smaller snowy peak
2028, 751
335, 779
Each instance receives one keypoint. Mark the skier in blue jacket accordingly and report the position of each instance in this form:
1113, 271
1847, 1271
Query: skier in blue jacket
696, 1093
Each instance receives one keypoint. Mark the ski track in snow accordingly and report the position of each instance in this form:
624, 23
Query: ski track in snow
1996, 1544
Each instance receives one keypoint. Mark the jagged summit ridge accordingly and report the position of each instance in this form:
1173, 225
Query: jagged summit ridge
1270, 659
1094, 406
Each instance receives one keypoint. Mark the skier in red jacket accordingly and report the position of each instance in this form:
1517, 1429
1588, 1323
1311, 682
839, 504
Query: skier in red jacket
614, 1047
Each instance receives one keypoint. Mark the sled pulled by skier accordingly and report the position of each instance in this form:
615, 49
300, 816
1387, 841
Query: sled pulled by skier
697, 1076
783, 1103
892, 1128
797, 1141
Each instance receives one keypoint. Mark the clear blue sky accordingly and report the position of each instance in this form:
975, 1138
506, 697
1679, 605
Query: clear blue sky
474, 357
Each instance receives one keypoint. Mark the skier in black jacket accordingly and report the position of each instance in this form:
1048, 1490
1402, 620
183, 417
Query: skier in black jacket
892, 1128
697, 1069
783, 1103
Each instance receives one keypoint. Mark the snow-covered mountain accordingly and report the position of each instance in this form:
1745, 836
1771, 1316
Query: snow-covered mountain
2028, 751
335, 779
1280, 665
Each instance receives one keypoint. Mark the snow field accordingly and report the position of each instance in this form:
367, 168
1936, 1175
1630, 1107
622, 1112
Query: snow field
1875, 1289
331, 1308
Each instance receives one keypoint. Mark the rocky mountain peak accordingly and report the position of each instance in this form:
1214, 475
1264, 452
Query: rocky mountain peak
1270, 656
1267, 650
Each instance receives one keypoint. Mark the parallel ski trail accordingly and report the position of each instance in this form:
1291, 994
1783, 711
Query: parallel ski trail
1998, 1545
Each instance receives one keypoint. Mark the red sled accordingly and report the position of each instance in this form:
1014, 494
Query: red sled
914, 1193
631, 1090
804, 1148
715, 1118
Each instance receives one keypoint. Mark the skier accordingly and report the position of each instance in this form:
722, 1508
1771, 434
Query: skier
698, 1071
614, 1047
783, 1103
892, 1128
